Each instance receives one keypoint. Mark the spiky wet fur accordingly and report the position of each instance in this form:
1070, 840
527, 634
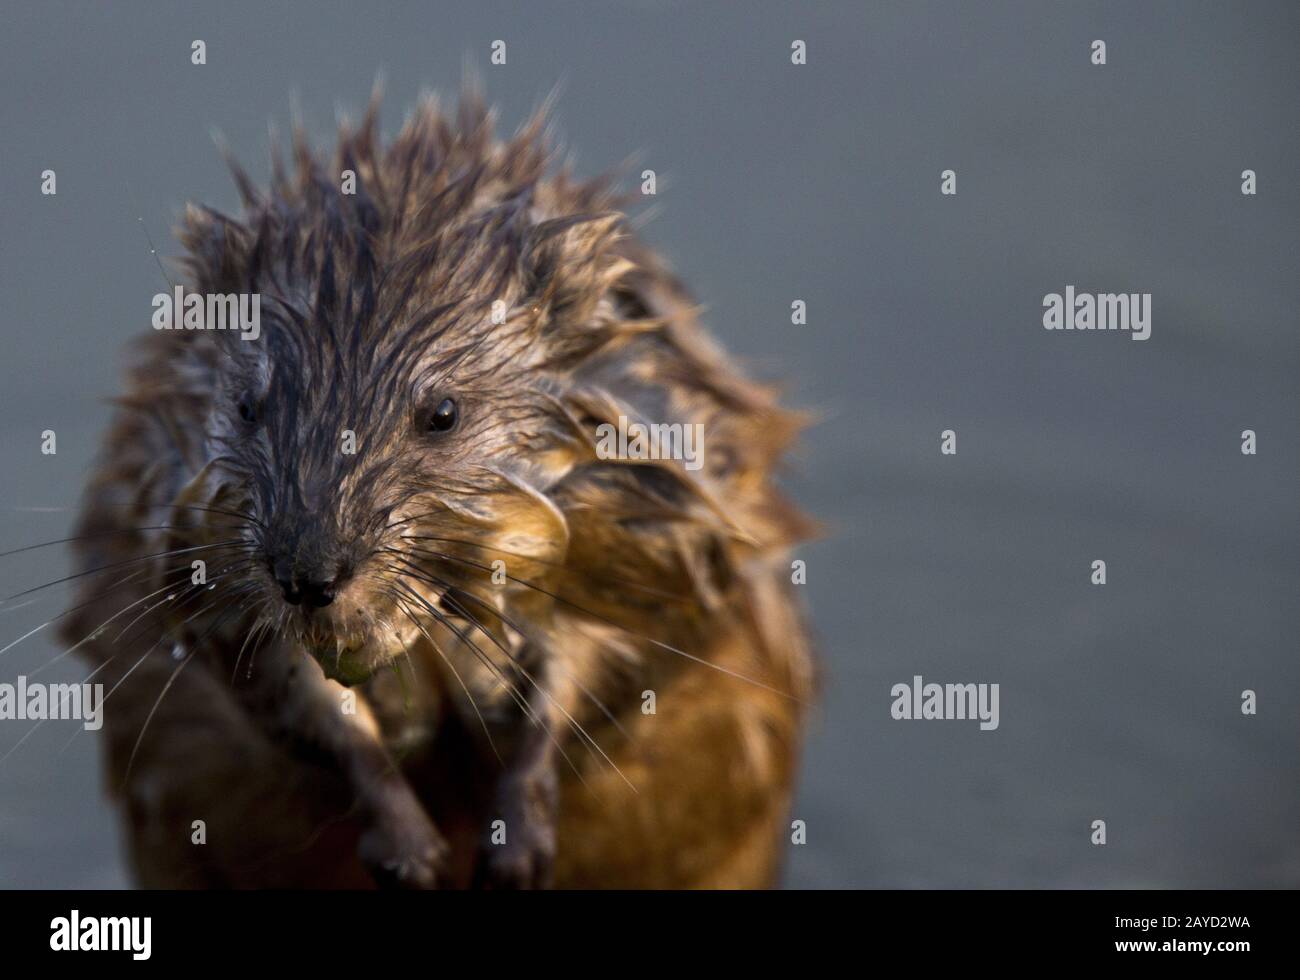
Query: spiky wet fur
375, 305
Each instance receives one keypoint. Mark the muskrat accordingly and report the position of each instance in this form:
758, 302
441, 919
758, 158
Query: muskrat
473, 649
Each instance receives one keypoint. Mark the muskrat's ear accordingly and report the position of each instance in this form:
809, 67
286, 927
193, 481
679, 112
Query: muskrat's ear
573, 263
218, 249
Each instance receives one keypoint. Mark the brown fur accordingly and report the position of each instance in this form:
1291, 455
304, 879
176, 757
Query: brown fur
372, 303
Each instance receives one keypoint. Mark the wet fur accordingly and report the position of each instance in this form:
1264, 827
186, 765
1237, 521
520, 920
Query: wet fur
373, 307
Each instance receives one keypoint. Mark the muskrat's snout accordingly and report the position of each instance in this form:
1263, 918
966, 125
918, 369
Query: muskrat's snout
340, 612
310, 561
313, 587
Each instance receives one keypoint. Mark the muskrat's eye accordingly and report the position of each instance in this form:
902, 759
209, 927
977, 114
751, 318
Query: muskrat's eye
444, 416
247, 410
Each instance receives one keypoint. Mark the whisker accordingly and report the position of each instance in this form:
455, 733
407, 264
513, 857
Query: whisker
197, 646
512, 689
102, 666
619, 626
455, 673
567, 673
258, 626
559, 566
529, 712
449, 587
135, 506
53, 660
120, 584
66, 612
187, 595
17, 745
406, 697
104, 534
584, 738
128, 561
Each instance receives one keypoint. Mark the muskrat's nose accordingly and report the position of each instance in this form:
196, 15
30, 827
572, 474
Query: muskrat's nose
316, 594
313, 590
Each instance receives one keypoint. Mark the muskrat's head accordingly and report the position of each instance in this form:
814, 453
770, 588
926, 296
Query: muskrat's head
442, 330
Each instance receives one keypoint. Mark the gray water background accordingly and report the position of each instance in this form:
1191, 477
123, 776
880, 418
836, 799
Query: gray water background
819, 183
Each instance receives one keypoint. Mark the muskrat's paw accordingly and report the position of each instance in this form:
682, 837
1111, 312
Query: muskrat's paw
523, 862
518, 851
403, 849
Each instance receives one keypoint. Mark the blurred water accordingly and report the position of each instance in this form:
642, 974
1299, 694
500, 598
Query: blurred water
819, 183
